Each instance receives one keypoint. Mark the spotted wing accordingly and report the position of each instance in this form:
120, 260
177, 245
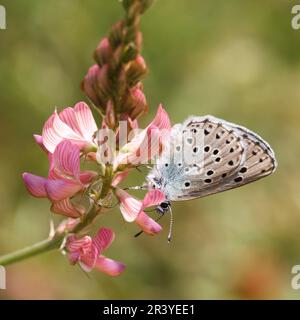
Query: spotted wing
226, 156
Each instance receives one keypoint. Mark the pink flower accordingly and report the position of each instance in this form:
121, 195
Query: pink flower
119, 177
88, 252
64, 180
135, 103
76, 124
146, 144
96, 85
133, 209
103, 52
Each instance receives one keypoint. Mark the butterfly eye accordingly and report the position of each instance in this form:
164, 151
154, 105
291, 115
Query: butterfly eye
153, 186
164, 205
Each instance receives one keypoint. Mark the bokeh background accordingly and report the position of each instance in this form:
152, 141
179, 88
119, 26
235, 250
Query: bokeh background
239, 60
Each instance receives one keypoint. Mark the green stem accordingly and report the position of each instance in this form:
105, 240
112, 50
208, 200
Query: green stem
30, 251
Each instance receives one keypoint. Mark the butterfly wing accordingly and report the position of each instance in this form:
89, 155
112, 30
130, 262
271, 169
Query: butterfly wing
228, 157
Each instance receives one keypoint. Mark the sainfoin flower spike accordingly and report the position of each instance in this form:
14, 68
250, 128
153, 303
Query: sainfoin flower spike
71, 139
87, 252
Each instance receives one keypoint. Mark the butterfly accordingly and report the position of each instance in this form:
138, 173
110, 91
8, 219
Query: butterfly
221, 156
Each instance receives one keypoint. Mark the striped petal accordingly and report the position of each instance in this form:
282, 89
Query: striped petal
68, 117
87, 176
74, 244
129, 206
55, 130
109, 266
88, 260
61, 189
35, 185
85, 120
161, 119
66, 159
141, 149
76, 247
80, 119
147, 224
153, 198
67, 208
103, 239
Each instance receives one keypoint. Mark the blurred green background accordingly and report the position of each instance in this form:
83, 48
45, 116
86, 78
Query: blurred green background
239, 60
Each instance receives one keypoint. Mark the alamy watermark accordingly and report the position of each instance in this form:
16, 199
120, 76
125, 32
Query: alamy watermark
295, 22
2, 18
295, 283
2, 278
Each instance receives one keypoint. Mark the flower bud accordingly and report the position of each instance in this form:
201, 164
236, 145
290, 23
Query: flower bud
103, 52
103, 82
136, 70
89, 85
135, 104
110, 117
116, 34
130, 53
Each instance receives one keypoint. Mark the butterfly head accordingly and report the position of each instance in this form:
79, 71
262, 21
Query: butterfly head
155, 180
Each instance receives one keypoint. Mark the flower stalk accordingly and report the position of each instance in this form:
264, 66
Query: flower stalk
114, 87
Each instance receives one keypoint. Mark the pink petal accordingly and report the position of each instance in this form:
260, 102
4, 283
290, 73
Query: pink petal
73, 257
55, 130
67, 225
109, 266
141, 149
153, 198
87, 176
147, 224
161, 119
85, 120
39, 140
148, 148
88, 260
74, 244
81, 250
68, 117
103, 239
67, 208
35, 185
88, 84
66, 159
119, 177
129, 206
80, 119
62, 189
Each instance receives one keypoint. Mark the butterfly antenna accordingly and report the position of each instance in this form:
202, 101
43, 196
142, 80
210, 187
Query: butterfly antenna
142, 187
171, 225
